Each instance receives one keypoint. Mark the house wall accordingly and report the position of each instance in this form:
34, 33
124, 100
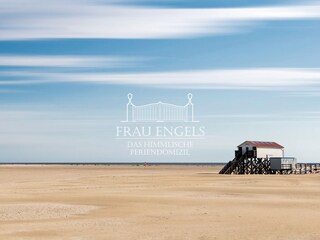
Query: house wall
275, 163
278, 163
269, 152
264, 152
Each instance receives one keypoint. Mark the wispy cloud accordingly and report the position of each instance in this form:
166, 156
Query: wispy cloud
35, 19
310, 93
256, 78
66, 61
275, 116
11, 91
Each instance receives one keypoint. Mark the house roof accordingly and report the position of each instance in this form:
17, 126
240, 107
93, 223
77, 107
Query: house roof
262, 144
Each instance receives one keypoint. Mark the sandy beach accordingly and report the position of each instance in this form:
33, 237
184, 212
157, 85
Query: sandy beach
155, 202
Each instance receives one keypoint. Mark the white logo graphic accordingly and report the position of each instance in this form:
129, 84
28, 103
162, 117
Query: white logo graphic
166, 130
160, 112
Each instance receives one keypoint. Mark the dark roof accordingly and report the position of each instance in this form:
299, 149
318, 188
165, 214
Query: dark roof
262, 144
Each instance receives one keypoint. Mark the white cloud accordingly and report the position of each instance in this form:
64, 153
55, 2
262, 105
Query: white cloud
35, 19
314, 92
275, 116
65, 61
10, 91
256, 78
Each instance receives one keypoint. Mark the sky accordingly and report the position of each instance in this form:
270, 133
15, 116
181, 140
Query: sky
66, 68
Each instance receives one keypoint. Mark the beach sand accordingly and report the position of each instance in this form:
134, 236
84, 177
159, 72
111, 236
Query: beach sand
155, 202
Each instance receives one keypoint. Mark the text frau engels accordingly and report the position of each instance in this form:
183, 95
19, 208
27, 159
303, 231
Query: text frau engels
160, 131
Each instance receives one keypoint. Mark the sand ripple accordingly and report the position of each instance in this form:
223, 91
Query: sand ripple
39, 211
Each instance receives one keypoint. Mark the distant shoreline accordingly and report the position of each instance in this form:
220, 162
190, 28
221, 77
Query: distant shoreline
115, 163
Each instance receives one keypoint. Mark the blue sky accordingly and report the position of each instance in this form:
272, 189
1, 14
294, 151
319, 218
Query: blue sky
66, 69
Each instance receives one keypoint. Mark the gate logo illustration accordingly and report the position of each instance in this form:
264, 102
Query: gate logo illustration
166, 129
160, 112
